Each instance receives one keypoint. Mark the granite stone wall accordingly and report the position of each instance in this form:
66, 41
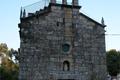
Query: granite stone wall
61, 44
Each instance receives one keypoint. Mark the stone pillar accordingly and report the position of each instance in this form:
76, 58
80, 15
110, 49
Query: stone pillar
75, 2
52, 1
64, 1
24, 13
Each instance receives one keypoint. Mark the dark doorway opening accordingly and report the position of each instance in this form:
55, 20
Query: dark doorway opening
66, 67
66, 79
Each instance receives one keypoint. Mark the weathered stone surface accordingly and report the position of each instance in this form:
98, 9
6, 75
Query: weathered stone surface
41, 52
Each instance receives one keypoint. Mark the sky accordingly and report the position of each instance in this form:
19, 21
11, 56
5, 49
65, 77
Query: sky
96, 9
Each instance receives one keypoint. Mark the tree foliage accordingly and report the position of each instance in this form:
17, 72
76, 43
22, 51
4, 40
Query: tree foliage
9, 70
113, 62
14, 54
3, 49
8, 67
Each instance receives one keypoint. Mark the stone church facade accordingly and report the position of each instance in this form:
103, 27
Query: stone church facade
61, 43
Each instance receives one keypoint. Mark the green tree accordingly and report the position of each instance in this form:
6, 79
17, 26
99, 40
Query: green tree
3, 47
9, 70
113, 62
8, 67
14, 54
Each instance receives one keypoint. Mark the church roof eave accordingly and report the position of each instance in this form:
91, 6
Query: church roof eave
92, 20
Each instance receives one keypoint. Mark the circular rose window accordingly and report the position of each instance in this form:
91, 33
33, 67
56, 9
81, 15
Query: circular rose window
65, 47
